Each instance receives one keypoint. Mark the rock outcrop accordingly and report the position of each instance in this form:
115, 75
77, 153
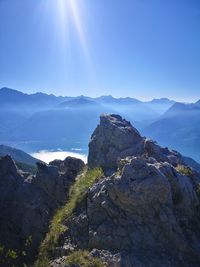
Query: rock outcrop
27, 203
115, 138
145, 212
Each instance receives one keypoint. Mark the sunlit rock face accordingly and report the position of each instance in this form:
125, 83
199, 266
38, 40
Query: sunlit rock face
115, 138
145, 212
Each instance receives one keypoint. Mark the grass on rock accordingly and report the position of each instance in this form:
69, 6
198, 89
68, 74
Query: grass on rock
83, 259
77, 193
184, 170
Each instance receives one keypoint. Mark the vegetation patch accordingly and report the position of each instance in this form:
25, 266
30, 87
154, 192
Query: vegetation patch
83, 259
77, 193
11, 257
184, 170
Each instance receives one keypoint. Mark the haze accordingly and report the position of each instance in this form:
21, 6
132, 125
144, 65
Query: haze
143, 49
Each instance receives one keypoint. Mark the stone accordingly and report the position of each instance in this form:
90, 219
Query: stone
28, 202
145, 211
113, 139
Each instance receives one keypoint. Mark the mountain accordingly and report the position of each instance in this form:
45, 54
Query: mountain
23, 160
178, 128
25, 118
17, 155
63, 128
9, 121
79, 102
134, 204
122, 100
13, 99
129, 108
160, 105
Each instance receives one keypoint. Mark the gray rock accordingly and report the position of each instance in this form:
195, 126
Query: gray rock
27, 203
113, 139
144, 212
70, 165
137, 215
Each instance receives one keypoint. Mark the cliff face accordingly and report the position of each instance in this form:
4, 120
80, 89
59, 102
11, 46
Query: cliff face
27, 203
144, 212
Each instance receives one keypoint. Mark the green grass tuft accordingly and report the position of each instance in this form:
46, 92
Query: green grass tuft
184, 170
82, 258
77, 193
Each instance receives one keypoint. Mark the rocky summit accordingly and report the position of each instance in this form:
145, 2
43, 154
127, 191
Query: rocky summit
142, 211
145, 213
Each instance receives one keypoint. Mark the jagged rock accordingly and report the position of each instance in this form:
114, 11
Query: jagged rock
27, 203
147, 212
113, 139
70, 165
141, 212
144, 212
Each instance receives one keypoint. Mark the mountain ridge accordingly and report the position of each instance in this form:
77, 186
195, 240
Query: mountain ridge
178, 128
106, 97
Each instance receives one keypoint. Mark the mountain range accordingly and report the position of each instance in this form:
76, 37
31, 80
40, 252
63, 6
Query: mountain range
40, 121
179, 128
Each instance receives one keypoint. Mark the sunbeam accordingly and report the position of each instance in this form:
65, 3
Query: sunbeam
67, 20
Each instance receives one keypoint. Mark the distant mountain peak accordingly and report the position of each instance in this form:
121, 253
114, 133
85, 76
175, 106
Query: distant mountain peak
161, 100
78, 102
10, 90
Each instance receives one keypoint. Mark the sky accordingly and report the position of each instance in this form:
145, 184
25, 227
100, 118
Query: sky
138, 48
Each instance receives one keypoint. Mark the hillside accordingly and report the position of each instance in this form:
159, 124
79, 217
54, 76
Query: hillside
178, 128
17, 155
23, 160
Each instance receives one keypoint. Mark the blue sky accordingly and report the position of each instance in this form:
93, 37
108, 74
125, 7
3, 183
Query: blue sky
138, 48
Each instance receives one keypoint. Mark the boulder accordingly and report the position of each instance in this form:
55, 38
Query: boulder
70, 165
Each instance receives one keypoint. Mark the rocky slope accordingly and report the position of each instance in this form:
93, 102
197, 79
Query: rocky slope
144, 212
27, 203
